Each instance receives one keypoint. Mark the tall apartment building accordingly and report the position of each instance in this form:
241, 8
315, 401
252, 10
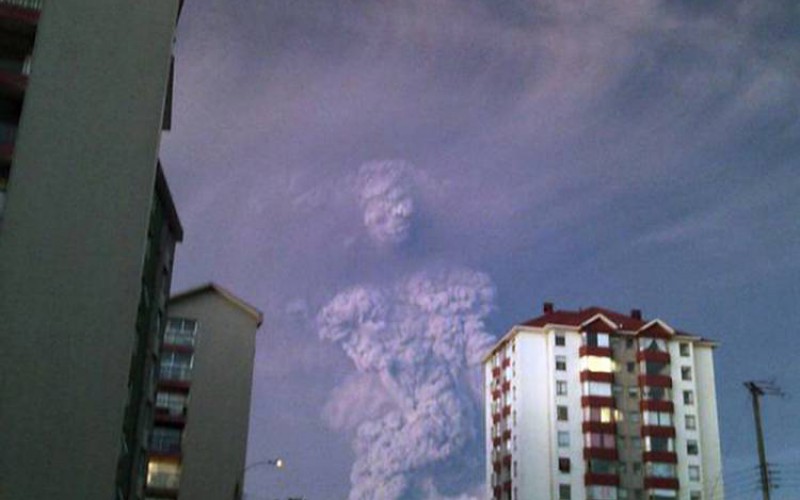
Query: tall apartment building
595, 404
87, 232
199, 440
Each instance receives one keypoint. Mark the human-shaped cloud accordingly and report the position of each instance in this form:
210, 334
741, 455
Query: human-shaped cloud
385, 196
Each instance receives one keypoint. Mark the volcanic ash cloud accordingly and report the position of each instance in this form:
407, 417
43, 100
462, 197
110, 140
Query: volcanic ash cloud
416, 347
384, 190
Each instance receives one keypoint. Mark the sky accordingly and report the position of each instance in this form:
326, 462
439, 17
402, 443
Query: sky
397, 183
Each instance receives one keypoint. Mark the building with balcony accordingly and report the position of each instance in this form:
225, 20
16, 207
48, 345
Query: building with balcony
87, 234
202, 410
599, 405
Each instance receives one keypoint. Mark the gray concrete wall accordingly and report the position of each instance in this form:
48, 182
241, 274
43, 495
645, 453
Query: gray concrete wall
72, 242
215, 438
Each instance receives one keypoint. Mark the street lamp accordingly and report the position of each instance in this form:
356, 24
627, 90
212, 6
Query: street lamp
275, 462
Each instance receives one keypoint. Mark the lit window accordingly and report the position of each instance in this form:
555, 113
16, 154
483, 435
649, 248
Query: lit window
163, 475
560, 340
691, 422
561, 387
688, 397
561, 363
597, 364
563, 413
563, 439
694, 473
691, 447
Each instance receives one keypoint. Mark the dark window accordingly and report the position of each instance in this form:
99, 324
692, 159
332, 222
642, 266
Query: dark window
564, 492
563, 413
561, 363
631, 367
560, 340
563, 465
691, 447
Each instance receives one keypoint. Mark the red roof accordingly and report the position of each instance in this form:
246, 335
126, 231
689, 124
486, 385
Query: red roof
577, 318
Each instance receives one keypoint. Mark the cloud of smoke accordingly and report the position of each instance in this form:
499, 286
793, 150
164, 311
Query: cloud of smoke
420, 340
385, 195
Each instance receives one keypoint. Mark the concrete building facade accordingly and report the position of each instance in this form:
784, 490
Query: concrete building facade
203, 402
87, 231
594, 404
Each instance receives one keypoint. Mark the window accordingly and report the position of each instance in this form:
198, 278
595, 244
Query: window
655, 443
173, 403
515, 468
684, 348
695, 495
631, 366
622, 494
563, 465
633, 417
561, 363
593, 414
691, 447
602, 466
691, 422
633, 392
562, 413
175, 366
560, 340
636, 443
164, 475
686, 373
629, 343
637, 468
564, 492
688, 397
561, 387
165, 440
653, 345
657, 469
694, 473
597, 364
655, 368
593, 339
598, 440
597, 389
660, 418
180, 331
563, 439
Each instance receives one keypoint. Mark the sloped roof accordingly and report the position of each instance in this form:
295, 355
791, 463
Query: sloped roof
211, 287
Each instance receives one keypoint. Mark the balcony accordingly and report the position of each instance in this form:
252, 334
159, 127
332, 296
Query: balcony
590, 376
657, 405
658, 431
655, 380
19, 15
590, 453
587, 350
669, 457
593, 478
165, 445
661, 483
654, 356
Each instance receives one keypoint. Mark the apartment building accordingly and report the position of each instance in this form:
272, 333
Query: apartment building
87, 234
199, 439
596, 404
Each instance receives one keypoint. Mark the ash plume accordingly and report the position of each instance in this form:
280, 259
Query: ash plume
416, 346
385, 195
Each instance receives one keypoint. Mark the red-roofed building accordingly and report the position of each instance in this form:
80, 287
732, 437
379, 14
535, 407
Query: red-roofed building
601, 405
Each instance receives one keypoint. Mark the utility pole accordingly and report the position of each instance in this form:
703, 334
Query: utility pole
758, 389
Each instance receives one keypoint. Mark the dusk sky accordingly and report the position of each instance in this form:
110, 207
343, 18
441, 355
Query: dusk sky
395, 184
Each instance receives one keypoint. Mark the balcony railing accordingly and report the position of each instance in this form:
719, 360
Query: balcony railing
165, 444
164, 480
182, 373
24, 4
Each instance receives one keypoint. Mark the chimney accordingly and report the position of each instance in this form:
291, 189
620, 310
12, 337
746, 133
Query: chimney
636, 314
548, 307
